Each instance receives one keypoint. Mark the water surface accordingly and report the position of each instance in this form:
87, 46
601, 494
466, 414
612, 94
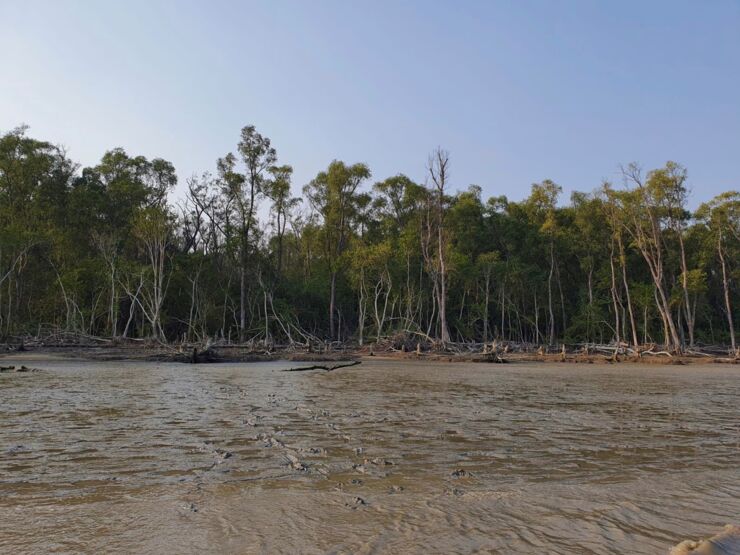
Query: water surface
385, 457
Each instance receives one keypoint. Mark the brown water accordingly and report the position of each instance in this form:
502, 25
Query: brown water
386, 457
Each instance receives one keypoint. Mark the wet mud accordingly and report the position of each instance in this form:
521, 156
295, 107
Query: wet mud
384, 457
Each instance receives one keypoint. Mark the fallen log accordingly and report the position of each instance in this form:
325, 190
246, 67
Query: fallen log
322, 367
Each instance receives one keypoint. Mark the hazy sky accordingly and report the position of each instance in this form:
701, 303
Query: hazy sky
517, 91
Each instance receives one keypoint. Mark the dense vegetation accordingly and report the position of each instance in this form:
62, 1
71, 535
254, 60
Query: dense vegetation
101, 251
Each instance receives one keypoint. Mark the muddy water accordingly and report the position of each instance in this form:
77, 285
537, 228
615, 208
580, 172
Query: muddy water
386, 457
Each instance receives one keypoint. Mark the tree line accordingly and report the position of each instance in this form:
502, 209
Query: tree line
104, 251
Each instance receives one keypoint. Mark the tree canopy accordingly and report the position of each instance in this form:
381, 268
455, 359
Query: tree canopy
108, 251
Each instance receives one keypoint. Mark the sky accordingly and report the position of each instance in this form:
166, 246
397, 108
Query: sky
516, 91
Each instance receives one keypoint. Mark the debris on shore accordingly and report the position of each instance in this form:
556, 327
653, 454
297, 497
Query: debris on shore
323, 367
19, 369
397, 347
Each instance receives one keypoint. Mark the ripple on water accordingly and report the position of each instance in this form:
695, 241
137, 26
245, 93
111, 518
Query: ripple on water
443, 457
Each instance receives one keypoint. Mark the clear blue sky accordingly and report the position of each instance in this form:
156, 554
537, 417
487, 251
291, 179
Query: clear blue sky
517, 91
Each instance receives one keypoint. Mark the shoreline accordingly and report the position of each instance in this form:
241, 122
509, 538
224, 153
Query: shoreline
188, 354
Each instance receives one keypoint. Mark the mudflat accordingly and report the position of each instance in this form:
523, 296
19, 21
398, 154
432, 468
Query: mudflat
389, 456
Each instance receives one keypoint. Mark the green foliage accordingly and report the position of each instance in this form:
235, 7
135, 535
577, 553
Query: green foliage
100, 250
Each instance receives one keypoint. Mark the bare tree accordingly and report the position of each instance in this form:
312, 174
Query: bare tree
438, 167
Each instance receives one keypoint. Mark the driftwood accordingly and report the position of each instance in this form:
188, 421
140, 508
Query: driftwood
492, 355
314, 349
322, 367
18, 369
650, 351
206, 354
494, 358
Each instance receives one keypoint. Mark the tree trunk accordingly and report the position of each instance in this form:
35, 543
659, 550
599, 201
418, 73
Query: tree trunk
242, 302
562, 298
112, 309
549, 293
685, 284
485, 311
669, 319
590, 301
267, 318
536, 321
726, 289
332, 293
623, 264
361, 309
666, 333
503, 308
615, 299
443, 329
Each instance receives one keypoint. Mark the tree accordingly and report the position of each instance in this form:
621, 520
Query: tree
243, 192
543, 200
278, 190
107, 245
616, 218
435, 237
398, 207
722, 216
668, 185
34, 183
588, 235
153, 229
334, 195
643, 222
98, 250
487, 263
131, 183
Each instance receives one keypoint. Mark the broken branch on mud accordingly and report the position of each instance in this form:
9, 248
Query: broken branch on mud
322, 367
